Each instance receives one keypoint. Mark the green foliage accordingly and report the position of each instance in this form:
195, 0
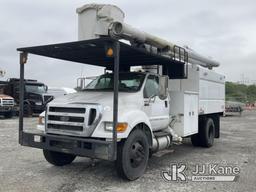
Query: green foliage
240, 92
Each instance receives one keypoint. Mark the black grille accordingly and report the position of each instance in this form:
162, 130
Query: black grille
66, 118
8, 102
67, 110
65, 127
92, 116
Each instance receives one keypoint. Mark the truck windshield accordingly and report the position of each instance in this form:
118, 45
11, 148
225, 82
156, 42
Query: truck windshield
35, 88
128, 82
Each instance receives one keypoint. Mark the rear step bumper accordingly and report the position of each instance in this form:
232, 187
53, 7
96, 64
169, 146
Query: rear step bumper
85, 147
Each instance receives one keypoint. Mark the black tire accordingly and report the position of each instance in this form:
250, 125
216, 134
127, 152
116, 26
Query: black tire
207, 133
58, 158
150, 154
27, 110
8, 114
132, 155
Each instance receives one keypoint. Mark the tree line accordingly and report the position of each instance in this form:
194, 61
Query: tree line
240, 92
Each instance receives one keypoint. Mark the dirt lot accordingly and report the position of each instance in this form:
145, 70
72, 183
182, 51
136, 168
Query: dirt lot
24, 169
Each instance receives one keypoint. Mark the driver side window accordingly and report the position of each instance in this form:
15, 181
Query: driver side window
151, 86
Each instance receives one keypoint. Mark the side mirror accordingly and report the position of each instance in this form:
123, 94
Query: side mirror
163, 87
46, 88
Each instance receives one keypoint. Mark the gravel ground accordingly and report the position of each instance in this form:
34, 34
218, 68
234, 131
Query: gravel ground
24, 169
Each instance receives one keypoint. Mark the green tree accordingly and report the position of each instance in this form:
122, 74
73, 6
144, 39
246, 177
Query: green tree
251, 93
240, 92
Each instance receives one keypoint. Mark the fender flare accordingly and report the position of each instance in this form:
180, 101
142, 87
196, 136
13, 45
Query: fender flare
145, 128
139, 120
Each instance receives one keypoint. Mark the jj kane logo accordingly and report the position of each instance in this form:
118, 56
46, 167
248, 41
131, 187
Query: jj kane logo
205, 172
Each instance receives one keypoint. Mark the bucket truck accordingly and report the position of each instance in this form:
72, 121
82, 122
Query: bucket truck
124, 116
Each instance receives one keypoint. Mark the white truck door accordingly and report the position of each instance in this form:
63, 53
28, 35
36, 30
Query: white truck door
156, 109
190, 113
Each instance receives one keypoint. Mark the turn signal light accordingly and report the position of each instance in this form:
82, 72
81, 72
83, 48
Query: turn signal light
121, 127
110, 52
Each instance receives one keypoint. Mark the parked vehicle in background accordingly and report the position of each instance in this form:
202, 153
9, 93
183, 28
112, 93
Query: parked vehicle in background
6, 106
34, 101
233, 108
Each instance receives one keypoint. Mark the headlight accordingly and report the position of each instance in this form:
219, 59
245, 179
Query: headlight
121, 127
41, 120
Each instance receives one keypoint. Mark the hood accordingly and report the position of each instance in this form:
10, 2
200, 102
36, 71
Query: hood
103, 98
3, 96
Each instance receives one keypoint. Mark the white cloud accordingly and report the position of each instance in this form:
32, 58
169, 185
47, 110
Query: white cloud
224, 30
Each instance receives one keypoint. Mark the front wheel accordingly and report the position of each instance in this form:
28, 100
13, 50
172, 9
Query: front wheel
132, 155
58, 158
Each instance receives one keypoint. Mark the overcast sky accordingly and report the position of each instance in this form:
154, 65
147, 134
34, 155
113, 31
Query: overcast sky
222, 29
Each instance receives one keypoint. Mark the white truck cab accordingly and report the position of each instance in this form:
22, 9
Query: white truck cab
91, 113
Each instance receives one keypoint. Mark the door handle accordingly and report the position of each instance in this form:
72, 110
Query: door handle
166, 104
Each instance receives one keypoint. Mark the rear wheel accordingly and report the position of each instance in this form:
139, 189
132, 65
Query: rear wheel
206, 134
132, 155
58, 158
